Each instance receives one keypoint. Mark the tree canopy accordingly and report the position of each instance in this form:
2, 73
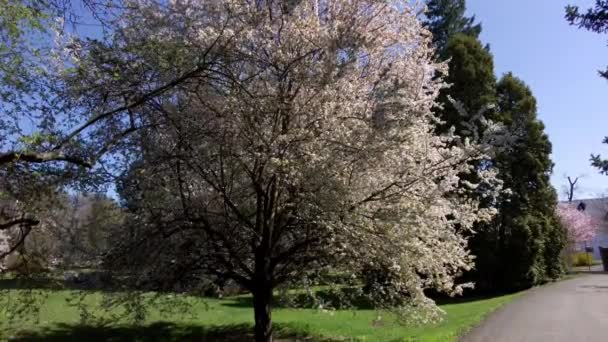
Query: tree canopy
471, 81
530, 237
581, 226
446, 18
272, 141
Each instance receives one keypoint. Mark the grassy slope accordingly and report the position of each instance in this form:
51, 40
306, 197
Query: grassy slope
211, 312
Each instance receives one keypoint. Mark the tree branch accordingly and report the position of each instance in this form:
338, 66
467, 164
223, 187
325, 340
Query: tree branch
20, 242
139, 101
41, 157
19, 221
203, 66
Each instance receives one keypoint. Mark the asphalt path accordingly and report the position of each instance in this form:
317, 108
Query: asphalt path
573, 310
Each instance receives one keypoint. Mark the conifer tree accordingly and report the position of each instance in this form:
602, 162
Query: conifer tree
446, 18
471, 78
521, 248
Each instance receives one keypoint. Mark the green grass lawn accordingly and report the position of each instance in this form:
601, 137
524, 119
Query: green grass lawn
232, 318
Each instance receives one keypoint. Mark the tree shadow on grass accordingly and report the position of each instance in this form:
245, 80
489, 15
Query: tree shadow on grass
51, 284
240, 302
30, 283
157, 332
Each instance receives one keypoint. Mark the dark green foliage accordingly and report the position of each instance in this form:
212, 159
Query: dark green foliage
471, 77
522, 246
595, 19
446, 18
598, 162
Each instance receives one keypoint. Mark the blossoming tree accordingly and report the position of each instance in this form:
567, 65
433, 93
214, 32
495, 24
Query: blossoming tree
580, 225
273, 139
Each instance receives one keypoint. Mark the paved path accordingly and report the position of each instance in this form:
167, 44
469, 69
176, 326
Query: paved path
574, 310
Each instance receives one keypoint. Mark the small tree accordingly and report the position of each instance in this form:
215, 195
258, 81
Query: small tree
581, 226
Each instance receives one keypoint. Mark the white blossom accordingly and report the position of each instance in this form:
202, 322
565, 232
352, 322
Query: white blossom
338, 106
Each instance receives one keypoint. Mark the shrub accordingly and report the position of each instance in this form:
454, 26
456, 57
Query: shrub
335, 277
582, 259
331, 297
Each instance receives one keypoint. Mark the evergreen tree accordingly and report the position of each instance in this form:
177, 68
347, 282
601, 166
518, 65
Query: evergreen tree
521, 248
472, 80
446, 18
471, 66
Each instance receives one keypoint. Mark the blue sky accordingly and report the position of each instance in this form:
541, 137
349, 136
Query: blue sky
559, 62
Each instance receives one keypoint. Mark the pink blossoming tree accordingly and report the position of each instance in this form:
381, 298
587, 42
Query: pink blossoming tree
580, 225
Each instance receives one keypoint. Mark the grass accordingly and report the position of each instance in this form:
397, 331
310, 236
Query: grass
230, 320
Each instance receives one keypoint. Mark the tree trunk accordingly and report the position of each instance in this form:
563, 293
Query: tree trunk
262, 279
262, 298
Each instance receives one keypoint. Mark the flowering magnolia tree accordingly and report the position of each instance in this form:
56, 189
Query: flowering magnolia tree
580, 225
264, 141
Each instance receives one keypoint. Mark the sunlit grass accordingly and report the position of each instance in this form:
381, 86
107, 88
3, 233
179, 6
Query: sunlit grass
208, 314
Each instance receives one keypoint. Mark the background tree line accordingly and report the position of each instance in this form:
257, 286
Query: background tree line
521, 246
